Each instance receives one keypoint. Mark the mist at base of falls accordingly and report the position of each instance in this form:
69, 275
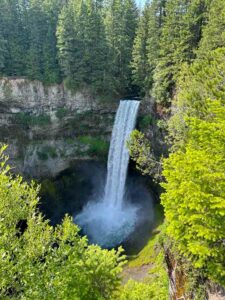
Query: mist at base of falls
77, 188
106, 225
112, 226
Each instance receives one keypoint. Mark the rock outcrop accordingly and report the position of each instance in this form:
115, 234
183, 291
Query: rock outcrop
47, 128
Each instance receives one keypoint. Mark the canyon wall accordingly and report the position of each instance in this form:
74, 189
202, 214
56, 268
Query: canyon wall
47, 128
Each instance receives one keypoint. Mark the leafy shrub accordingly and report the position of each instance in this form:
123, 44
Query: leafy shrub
46, 152
134, 290
155, 286
194, 198
162, 124
42, 155
28, 119
96, 146
61, 113
145, 121
42, 262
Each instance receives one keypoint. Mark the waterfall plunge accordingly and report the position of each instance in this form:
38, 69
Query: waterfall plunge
110, 220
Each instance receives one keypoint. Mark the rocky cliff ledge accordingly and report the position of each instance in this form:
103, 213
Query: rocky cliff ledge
47, 128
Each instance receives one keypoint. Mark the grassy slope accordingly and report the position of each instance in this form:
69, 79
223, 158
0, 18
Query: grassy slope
155, 283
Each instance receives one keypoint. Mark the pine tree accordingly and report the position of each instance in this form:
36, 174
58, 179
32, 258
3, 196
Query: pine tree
155, 24
194, 198
139, 64
213, 35
82, 45
2, 52
146, 45
179, 40
121, 22
96, 48
52, 72
197, 82
42, 63
13, 33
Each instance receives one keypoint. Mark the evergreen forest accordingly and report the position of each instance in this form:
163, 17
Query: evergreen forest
170, 53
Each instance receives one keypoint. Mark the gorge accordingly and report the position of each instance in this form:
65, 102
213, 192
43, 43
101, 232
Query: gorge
150, 227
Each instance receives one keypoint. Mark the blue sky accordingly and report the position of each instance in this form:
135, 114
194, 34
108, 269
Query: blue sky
140, 3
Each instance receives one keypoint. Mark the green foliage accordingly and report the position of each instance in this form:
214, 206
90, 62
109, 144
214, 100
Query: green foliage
42, 262
214, 30
140, 151
194, 200
96, 146
156, 284
82, 44
168, 35
27, 39
179, 39
88, 42
13, 37
146, 45
47, 152
61, 113
120, 23
2, 52
139, 62
145, 121
134, 290
32, 120
162, 124
203, 79
41, 55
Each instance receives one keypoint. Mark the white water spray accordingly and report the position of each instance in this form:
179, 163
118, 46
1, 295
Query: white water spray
110, 220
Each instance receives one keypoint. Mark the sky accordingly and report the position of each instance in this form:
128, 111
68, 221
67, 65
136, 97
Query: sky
140, 3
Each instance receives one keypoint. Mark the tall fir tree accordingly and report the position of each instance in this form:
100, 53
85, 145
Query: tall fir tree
82, 45
146, 45
139, 64
14, 36
180, 37
42, 63
2, 52
213, 35
121, 23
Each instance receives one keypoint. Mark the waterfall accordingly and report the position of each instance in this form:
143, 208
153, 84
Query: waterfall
118, 154
110, 219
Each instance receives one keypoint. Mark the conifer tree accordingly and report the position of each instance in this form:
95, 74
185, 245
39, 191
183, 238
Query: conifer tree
194, 198
42, 63
139, 64
201, 80
82, 45
13, 33
213, 35
121, 22
146, 45
2, 52
179, 40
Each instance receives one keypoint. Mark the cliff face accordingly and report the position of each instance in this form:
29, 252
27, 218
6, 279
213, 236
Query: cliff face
181, 282
47, 128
